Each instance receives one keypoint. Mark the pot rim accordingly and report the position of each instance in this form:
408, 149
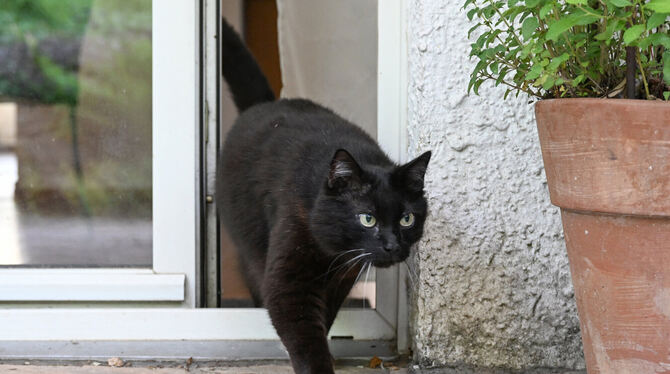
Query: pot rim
608, 101
606, 155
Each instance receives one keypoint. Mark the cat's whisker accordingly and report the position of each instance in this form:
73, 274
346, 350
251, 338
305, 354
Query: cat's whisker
349, 268
340, 255
359, 257
360, 272
335, 259
411, 274
338, 268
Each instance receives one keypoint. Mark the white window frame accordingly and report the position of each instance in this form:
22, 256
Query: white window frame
175, 197
152, 313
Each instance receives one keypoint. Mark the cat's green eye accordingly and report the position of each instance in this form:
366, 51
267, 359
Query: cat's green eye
367, 220
407, 220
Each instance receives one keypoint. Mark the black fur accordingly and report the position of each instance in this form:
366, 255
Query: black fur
247, 83
293, 179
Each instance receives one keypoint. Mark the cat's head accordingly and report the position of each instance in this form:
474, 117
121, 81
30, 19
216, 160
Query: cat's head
377, 211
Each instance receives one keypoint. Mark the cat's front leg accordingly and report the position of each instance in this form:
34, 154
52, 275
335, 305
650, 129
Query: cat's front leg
299, 317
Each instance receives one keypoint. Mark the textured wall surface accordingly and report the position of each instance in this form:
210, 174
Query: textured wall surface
494, 286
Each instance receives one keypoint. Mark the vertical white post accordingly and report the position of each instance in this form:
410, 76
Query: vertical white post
392, 78
175, 139
392, 137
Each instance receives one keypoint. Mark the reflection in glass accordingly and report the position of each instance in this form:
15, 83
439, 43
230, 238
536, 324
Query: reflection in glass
75, 133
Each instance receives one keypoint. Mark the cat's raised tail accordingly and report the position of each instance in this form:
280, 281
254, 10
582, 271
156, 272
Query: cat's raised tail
245, 79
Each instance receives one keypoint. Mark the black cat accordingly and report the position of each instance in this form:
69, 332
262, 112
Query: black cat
309, 200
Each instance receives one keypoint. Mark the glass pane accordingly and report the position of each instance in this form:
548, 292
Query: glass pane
308, 64
75, 133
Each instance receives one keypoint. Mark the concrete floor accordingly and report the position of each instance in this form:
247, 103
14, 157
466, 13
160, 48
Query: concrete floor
103, 368
256, 369
241, 368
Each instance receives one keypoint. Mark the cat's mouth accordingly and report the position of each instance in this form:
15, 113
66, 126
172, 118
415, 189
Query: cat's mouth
383, 263
387, 260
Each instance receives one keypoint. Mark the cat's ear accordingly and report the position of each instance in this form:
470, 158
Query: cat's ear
344, 170
410, 176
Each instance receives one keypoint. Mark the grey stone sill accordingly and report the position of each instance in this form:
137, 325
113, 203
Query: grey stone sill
470, 370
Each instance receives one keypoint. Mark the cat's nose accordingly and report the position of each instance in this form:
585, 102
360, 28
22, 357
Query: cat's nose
391, 247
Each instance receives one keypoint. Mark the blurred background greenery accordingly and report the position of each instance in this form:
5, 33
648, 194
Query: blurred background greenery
80, 73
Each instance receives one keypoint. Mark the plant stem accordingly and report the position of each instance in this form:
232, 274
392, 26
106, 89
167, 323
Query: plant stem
515, 67
596, 84
630, 72
591, 13
603, 50
644, 79
550, 47
567, 40
509, 27
528, 91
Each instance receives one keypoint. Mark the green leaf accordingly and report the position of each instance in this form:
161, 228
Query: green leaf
666, 94
473, 79
656, 20
660, 39
528, 27
660, 6
481, 65
604, 35
534, 72
609, 31
473, 28
556, 62
526, 50
482, 39
501, 76
532, 3
545, 10
666, 67
586, 19
621, 3
548, 83
581, 2
559, 27
475, 88
632, 34
471, 13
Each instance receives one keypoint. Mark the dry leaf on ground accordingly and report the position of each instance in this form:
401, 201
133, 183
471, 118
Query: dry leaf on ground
375, 362
115, 362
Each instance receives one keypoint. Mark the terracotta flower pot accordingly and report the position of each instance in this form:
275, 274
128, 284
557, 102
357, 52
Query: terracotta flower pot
608, 168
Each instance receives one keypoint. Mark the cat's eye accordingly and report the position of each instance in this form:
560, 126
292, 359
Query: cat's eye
407, 220
367, 220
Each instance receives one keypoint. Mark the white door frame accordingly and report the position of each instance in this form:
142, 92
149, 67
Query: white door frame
135, 326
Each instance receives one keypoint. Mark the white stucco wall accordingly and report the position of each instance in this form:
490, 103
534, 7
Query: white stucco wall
494, 286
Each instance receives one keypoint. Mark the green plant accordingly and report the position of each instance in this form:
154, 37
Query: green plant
572, 48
